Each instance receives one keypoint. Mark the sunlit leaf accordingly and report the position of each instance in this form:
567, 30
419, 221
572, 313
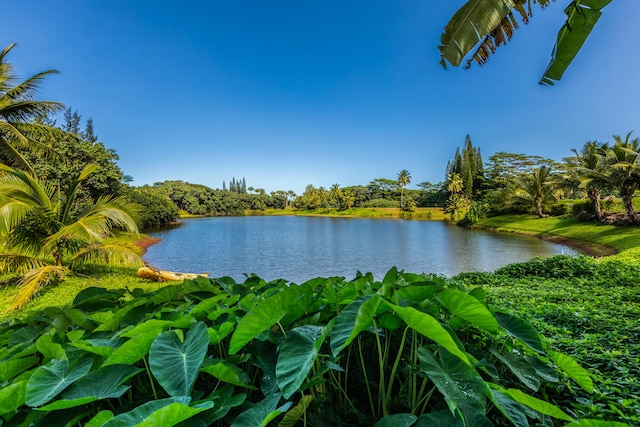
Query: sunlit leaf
430, 328
100, 419
12, 367
163, 412
353, 319
176, 364
134, 349
263, 316
468, 308
12, 397
573, 370
541, 406
227, 372
509, 408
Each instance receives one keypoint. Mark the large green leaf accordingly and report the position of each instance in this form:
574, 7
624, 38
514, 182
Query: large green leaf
12, 396
223, 401
12, 367
430, 328
353, 319
176, 364
521, 367
541, 406
470, 24
396, 420
101, 347
296, 356
442, 418
50, 379
468, 308
520, 329
459, 383
573, 370
509, 408
263, 316
294, 414
262, 413
49, 348
100, 419
104, 383
163, 412
134, 349
582, 16
227, 372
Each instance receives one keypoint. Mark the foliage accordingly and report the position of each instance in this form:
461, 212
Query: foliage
19, 133
43, 239
197, 199
380, 203
155, 207
537, 188
328, 351
76, 150
487, 24
588, 308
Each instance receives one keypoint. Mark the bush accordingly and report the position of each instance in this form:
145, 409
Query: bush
380, 203
558, 209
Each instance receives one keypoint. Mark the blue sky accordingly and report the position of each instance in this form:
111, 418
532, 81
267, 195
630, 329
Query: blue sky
288, 93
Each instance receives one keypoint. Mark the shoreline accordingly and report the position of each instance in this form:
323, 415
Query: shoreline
590, 249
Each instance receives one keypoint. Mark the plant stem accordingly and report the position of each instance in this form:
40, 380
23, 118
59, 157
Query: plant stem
397, 361
153, 387
366, 379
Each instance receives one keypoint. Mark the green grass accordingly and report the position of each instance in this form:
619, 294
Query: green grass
435, 214
624, 240
61, 295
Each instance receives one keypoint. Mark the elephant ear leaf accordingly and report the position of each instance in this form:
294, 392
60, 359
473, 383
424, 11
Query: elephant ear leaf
176, 364
49, 380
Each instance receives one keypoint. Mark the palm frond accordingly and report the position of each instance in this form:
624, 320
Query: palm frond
32, 281
25, 111
25, 89
10, 135
112, 254
19, 263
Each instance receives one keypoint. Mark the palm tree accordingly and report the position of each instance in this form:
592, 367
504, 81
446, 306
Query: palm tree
589, 166
487, 24
19, 115
44, 241
335, 195
536, 188
624, 171
404, 179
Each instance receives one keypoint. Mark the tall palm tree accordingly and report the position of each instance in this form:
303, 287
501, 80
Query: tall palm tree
624, 170
589, 166
19, 114
44, 241
537, 188
404, 179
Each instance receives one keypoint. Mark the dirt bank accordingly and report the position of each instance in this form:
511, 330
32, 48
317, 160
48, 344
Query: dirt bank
145, 242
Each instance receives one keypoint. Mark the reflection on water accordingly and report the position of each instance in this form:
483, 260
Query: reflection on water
300, 248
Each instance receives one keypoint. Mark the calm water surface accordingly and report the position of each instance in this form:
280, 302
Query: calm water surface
300, 248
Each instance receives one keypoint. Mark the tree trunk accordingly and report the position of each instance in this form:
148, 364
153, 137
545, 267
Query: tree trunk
539, 209
626, 193
594, 195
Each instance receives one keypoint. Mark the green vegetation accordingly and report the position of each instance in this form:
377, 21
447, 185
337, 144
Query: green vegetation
328, 352
484, 25
586, 308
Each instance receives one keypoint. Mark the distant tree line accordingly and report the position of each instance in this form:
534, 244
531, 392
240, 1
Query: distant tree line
587, 184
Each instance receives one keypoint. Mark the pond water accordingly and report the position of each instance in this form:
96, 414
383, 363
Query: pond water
301, 248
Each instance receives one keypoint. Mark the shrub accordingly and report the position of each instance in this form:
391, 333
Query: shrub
331, 351
380, 203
